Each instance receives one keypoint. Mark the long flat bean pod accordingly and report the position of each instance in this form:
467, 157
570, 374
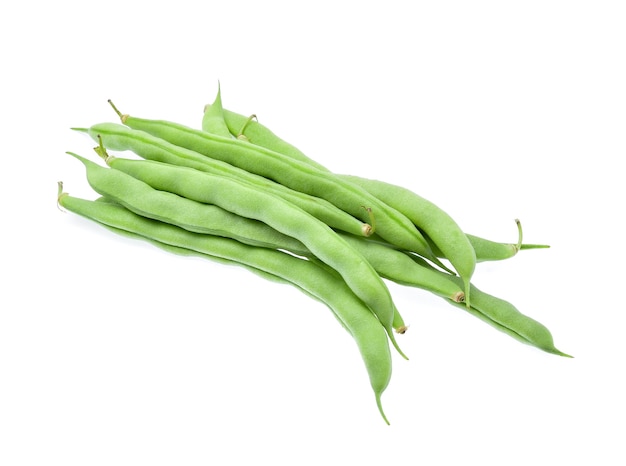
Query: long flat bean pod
122, 138
410, 270
194, 216
300, 176
316, 281
502, 315
241, 199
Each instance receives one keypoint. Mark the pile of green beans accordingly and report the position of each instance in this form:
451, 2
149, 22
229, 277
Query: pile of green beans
232, 191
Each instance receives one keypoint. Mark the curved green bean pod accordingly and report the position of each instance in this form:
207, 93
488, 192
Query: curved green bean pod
202, 188
507, 318
502, 315
193, 216
315, 281
121, 138
300, 176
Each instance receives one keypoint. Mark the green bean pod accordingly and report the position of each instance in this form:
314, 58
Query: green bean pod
300, 176
213, 117
315, 281
502, 315
203, 189
193, 216
121, 138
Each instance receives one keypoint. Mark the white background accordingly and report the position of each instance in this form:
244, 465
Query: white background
115, 353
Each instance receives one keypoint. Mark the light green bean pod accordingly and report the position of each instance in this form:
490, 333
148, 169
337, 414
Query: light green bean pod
397, 266
502, 315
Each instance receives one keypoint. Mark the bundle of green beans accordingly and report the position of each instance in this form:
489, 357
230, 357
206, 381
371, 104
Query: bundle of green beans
233, 191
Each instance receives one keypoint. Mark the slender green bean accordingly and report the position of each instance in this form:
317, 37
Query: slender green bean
191, 215
503, 315
507, 318
315, 281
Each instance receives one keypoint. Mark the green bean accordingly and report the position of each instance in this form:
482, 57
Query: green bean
315, 281
213, 117
502, 315
390, 224
507, 318
161, 205
243, 200
118, 137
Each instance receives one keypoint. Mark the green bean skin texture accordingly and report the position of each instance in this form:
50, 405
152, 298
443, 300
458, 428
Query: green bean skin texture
436, 223
249, 202
356, 318
299, 176
121, 138
194, 216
